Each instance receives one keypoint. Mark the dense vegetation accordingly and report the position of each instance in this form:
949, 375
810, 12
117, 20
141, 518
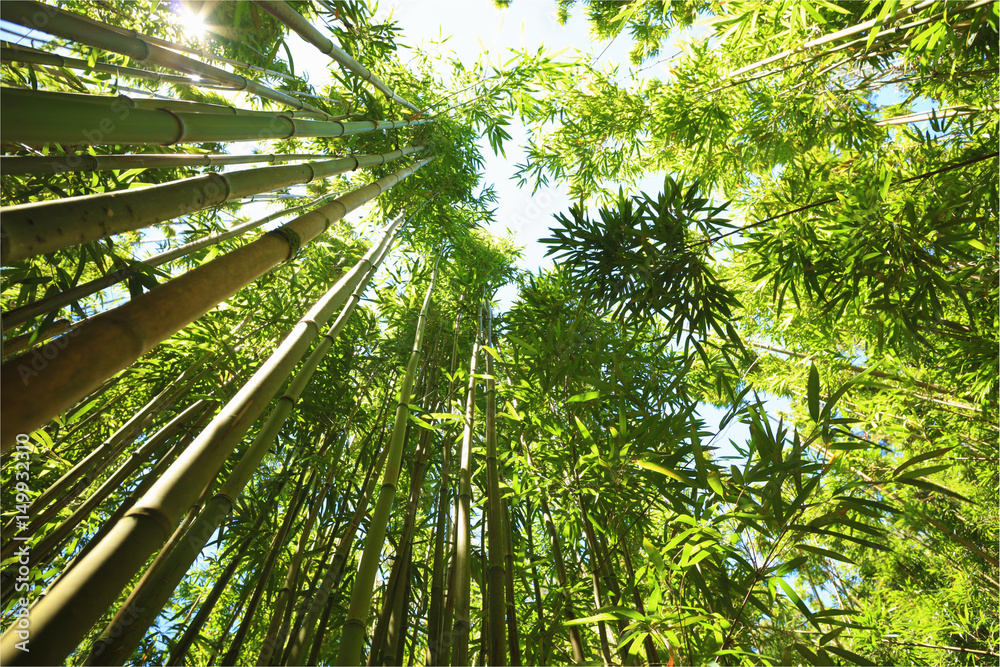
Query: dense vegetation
325, 443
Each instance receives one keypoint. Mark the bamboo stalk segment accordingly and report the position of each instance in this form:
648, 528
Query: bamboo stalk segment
291, 18
114, 339
68, 25
55, 164
29, 230
37, 118
19, 53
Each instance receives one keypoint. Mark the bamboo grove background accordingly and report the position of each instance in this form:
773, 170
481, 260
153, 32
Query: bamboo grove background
311, 437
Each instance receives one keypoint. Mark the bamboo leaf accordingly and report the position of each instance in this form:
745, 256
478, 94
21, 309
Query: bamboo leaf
813, 393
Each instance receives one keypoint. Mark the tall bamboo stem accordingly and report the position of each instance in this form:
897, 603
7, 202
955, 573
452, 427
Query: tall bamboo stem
36, 118
462, 583
284, 13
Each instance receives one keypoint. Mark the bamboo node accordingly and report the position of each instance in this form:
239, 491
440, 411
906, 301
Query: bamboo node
182, 129
291, 237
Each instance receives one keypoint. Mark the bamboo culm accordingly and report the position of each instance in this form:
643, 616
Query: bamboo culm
29, 230
462, 582
353, 634
67, 613
496, 589
284, 13
114, 339
36, 118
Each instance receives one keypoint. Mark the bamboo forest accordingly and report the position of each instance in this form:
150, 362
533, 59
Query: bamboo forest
326, 344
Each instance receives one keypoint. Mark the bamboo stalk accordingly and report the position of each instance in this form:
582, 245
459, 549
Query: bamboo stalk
54, 164
462, 583
25, 341
36, 118
22, 314
184, 48
114, 339
497, 653
10, 52
353, 634
512, 629
69, 25
29, 230
284, 13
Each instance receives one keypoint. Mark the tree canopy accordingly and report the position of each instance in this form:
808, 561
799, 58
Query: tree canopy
262, 403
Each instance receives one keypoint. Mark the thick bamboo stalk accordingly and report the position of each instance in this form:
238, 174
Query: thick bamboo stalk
353, 635
65, 615
14, 165
24, 313
114, 339
36, 118
184, 48
284, 13
497, 653
68, 25
463, 558
29, 230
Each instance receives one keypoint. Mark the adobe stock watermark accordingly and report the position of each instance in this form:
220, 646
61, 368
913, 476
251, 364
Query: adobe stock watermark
31, 365
22, 466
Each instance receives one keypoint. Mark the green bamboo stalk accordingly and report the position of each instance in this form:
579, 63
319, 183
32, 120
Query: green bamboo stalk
10, 52
54, 164
22, 314
542, 655
63, 617
68, 25
36, 118
353, 636
512, 629
497, 653
463, 560
114, 339
29, 230
435, 618
184, 48
28, 340
284, 13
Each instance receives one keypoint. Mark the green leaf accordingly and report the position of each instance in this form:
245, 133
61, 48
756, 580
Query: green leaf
826, 553
655, 467
849, 655
586, 396
813, 393
921, 457
596, 618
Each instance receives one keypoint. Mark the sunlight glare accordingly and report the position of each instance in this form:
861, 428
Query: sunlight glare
191, 22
